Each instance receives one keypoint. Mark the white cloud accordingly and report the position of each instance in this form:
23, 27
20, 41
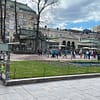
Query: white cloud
71, 11
75, 28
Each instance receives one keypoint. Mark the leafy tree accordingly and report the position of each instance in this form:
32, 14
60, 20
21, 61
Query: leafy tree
87, 31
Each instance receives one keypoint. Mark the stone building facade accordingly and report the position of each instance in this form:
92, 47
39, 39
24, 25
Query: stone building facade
63, 38
96, 28
26, 18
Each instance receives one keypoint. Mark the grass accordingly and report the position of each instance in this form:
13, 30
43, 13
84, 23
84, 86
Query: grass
29, 69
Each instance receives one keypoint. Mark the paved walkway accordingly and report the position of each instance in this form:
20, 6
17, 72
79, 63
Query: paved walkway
18, 57
83, 89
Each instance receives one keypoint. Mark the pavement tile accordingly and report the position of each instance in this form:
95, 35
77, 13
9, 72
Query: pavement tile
82, 89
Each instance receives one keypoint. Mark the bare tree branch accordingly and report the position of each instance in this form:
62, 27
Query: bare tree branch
46, 5
41, 5
34, 1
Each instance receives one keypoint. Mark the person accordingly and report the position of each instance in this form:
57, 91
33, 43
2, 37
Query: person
87, 54
81, 53
53, 53
94, 54
48, 52
73, 54
57, 52
64, 53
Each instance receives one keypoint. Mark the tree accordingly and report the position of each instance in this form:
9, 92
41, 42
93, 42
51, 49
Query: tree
41, 5
1, 18
4, 21
87, 31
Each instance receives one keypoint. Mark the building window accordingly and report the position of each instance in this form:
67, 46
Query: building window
64, 43
11, 6
60, 35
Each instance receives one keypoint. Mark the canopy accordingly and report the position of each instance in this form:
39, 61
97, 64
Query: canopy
86, 48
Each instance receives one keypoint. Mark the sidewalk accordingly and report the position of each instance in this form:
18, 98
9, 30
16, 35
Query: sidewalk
19, 57
83, 89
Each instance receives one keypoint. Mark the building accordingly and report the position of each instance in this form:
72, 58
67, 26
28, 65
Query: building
24, 39
26, 18
71, 39
96, 29
62, 38
23, 21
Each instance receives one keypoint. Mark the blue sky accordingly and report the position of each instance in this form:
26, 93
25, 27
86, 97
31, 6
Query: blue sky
83, 25
71, 14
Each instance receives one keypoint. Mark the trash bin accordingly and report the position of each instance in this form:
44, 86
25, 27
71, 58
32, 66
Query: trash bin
98, 57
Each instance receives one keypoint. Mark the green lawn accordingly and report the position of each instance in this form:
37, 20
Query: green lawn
29, 69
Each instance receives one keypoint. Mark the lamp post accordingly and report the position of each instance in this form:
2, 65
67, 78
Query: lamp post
18, 36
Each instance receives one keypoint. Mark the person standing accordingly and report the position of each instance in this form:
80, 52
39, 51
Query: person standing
81, 53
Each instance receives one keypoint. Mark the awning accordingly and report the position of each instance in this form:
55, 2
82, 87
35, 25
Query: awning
86, 48
14, 43
51, 41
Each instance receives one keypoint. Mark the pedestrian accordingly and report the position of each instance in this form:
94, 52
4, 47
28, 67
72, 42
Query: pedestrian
81, 53
64, 53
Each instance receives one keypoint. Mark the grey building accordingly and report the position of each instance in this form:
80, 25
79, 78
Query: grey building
24, 20
71, 38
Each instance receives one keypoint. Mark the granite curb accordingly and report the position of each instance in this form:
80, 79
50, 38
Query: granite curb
12, 82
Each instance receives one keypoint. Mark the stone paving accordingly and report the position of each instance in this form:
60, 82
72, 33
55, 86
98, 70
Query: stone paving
82, 89
18, 57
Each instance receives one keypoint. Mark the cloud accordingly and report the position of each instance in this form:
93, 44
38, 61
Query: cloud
71, 11
76, 28
77, 11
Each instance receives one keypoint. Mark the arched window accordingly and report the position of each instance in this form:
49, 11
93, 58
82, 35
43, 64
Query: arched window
64, 43
73, 45
68, 45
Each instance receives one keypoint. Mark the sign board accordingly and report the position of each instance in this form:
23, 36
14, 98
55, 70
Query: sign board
3, 47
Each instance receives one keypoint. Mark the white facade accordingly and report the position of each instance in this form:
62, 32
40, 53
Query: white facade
61, 36
96, 28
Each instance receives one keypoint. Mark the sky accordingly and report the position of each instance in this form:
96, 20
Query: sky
71, 14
